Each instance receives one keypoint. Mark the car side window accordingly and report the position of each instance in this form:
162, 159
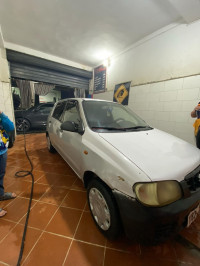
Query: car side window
45, 109
71, 112
59, 110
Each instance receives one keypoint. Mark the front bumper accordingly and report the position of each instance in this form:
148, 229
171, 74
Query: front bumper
154, 224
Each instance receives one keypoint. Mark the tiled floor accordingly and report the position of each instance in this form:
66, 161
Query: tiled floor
61, 230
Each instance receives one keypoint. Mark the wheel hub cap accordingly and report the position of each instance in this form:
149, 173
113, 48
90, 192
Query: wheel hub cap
99, 209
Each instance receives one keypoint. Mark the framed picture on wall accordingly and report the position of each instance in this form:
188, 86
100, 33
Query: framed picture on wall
99, 79
121, 93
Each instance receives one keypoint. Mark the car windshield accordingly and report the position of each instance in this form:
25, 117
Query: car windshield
109, 116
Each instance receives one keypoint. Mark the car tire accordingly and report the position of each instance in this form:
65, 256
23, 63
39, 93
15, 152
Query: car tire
11, 142
11, 135
103, 209
49, 145
22, 125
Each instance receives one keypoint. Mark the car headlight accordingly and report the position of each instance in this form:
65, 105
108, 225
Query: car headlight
158, 193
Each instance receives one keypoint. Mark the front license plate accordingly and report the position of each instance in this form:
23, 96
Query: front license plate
193, 215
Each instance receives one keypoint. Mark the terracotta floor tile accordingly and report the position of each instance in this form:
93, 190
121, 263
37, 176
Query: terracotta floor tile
50, 250
64, 222
38, 191
46, 167
37, 175
78, 185
75, 199
54, 195
187, 253
124, 244
19, 186
40, 215
10, 246
88, 231
5, 203
50, 165
192, 236
10, 175
22, 163
87, 209
47, 178
196, 224
84, 254
114, 257
17, 209
65, 181
65, 170
162, 251
5, 228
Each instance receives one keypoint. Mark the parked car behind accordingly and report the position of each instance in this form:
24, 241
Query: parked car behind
34, 117
138, 178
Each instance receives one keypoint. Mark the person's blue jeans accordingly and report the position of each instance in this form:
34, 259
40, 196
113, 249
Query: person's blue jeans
3, 160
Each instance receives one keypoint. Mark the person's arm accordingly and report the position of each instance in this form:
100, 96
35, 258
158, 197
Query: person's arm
6, 123
193, 113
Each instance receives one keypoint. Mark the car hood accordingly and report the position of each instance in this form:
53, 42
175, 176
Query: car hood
158, 154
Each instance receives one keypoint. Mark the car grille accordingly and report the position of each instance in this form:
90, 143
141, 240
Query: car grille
193, 180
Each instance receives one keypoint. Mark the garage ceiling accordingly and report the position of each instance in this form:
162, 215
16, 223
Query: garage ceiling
85, 31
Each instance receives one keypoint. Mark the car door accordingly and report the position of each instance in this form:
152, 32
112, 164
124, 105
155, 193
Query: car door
71, 142
54, 122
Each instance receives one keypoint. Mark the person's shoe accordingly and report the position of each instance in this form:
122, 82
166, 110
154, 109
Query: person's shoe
7, 196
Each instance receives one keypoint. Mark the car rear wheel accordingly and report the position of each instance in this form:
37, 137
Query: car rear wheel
22, 125
49, 145
103, 209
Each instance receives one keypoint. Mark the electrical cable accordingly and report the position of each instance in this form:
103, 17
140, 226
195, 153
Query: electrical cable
23, 174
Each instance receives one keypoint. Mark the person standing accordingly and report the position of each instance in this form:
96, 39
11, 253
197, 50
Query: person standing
5, 126
196, 113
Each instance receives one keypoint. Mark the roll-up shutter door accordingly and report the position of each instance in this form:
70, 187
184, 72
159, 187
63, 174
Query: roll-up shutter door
29, 67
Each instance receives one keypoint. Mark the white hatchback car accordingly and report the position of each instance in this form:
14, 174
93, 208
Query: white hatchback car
138, 178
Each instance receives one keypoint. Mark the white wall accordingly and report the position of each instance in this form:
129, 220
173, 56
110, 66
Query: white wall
169, 54
165, 105
172, 58
6, 103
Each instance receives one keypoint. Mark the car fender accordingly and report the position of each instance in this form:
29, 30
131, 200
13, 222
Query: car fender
111, 166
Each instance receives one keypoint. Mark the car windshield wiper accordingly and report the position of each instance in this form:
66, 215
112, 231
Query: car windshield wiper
137, 127
110, 128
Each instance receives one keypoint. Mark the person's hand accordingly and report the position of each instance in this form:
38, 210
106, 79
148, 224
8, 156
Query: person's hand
0, 111
193, 113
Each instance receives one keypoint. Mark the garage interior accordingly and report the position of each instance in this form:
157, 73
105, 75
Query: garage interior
57, 45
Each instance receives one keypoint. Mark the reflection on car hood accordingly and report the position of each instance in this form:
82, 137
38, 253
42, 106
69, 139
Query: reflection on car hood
158, 154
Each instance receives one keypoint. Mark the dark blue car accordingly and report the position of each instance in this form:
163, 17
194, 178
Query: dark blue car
34, 117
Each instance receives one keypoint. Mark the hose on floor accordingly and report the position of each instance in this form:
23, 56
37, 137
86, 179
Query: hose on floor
23, 174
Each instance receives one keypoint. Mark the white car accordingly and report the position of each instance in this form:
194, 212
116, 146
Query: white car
138, 178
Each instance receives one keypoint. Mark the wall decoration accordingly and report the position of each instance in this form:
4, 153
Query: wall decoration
121, 93
100, 79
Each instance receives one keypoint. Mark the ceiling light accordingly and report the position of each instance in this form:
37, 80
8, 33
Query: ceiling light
102, 55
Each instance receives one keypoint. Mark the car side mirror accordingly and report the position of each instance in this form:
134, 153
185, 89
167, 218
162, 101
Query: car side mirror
72, 127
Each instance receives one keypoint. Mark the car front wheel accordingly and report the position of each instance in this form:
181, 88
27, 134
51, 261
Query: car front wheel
103, 209
22, 125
